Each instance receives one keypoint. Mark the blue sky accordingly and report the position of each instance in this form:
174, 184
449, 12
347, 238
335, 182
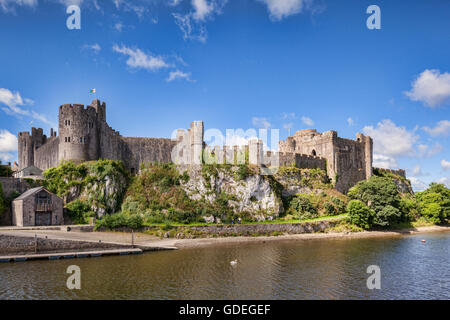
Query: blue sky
282, 64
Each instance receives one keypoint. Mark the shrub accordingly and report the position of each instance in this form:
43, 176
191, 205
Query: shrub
360, 214
182, 216
118, 220
330, 209
302, 207
243, 172
79, 211
340, 205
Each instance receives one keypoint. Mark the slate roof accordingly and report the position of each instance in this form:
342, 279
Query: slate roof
30, 192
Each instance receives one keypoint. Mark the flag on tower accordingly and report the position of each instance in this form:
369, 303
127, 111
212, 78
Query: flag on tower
92, 91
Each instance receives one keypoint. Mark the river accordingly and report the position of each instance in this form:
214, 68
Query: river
312, 269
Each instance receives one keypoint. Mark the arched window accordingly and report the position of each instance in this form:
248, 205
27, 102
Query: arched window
314, 153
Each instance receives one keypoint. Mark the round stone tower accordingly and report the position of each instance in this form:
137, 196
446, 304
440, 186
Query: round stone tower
78, 133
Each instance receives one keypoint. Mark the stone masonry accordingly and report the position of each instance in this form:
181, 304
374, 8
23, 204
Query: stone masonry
84, 135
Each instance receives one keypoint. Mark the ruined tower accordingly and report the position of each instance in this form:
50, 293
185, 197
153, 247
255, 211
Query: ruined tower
348, 161
78, 130
28, 145
196, 137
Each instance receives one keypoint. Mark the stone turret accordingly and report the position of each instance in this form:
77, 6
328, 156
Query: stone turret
197, 133
100, 108
27, 145
368, 153
78, 130
255, 152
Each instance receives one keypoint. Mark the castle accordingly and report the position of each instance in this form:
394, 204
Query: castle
84, 135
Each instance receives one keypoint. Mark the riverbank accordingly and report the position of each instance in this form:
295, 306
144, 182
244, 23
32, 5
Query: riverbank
52, 241
202, 242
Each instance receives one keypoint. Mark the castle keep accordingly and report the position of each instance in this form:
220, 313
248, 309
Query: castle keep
84, 135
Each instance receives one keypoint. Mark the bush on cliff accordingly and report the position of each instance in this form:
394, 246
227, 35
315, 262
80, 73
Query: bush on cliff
310, 206
100, 183
302, 208
156, 193
157, 187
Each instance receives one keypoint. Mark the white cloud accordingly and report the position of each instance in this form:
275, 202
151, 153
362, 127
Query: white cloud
118, 26
288, 115
308, 121
417, 171
445, 181
139, 59
424, 150
384, 161
10, 5
177, 74
417, 184
431, 88
8, 141
192, 24
350, 121
129, 6
202, 9
94, 47
13, 99
8, 144
391, 140
261, 122
14, 103
237, 140
174, 3
279, 9
445, 164
441, 129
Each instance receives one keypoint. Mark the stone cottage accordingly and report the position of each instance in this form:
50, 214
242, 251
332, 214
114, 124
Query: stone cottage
37, 207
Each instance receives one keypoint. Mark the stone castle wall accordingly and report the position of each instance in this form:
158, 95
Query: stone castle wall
47, 156
85, 135
11, 185
144, 150
347, 161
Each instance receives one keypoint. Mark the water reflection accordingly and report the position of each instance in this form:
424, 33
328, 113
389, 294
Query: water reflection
315, 269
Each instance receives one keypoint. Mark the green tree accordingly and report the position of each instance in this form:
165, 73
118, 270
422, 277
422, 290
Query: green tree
434, 203
381, 195
360, 214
